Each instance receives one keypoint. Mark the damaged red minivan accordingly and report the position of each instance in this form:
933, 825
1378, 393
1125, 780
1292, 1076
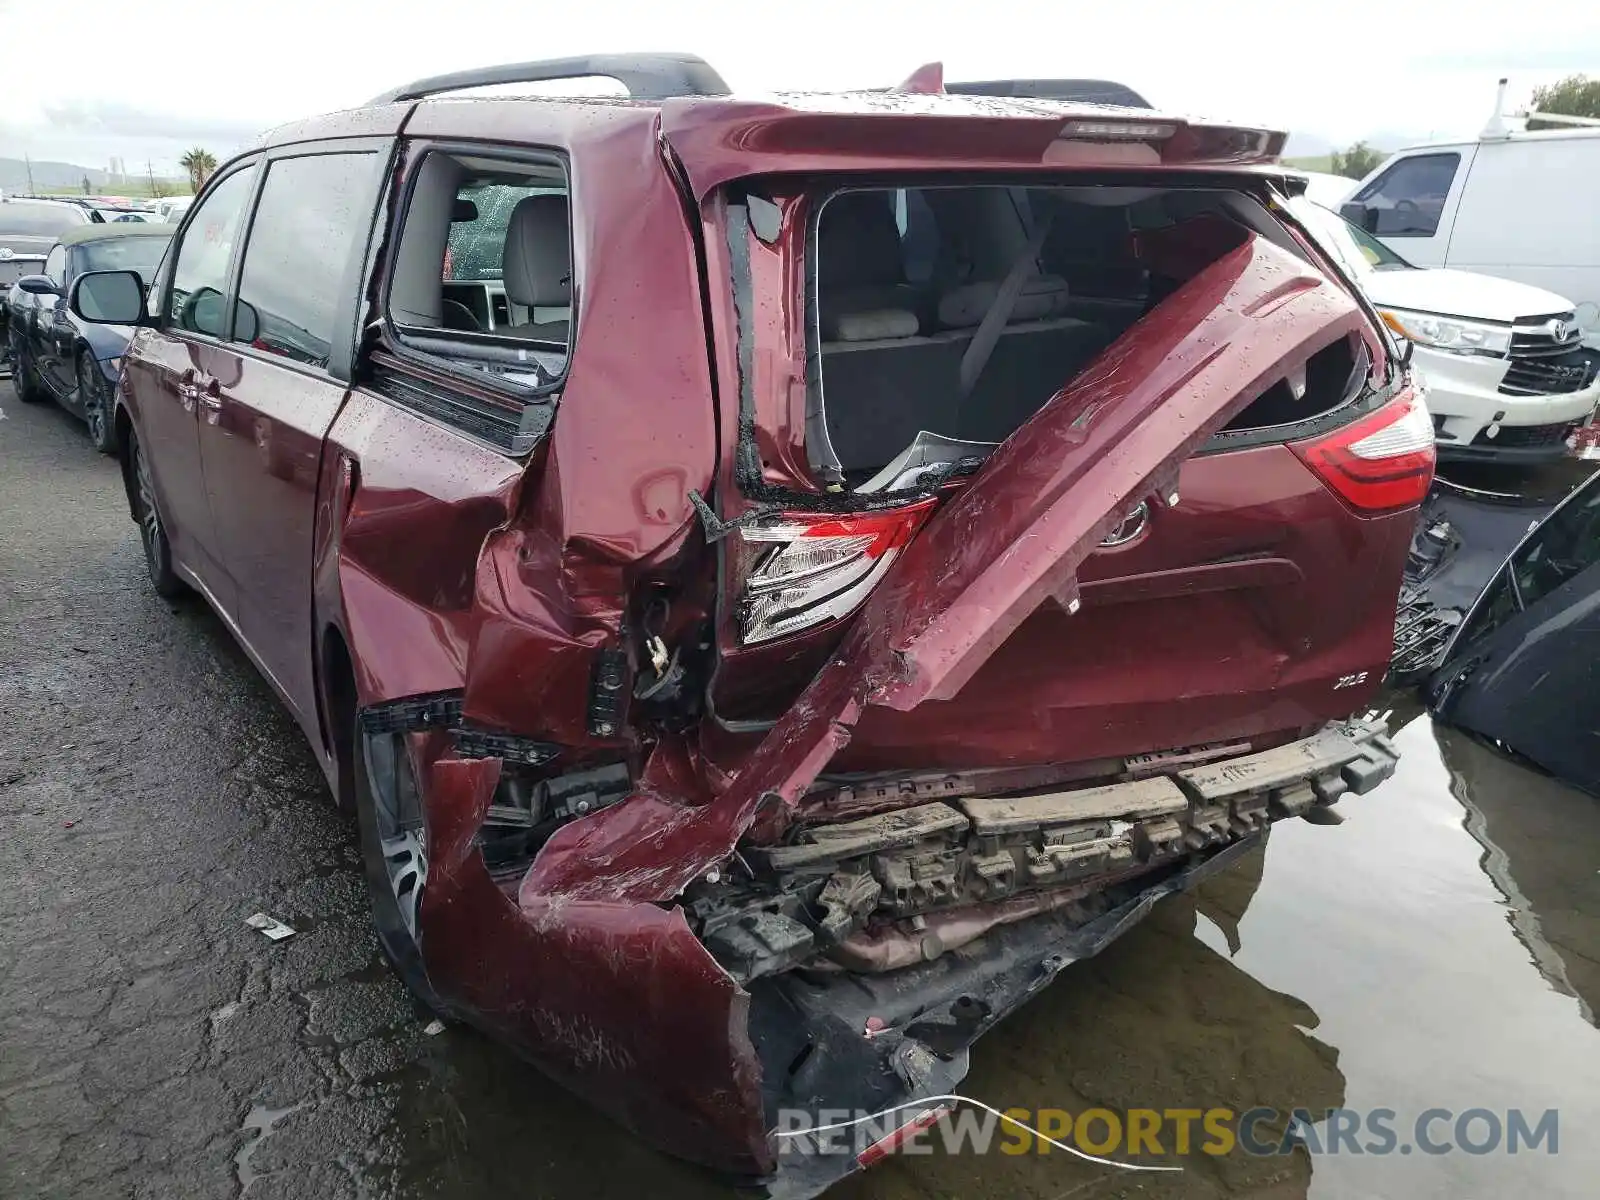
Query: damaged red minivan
778, 579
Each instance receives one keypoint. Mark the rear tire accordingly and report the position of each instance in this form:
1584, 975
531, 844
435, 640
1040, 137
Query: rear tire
24, 379
152, 532
395, 861
97, 399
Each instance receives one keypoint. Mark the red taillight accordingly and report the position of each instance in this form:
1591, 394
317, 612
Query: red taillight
886, 1146
820, 567
1380, 463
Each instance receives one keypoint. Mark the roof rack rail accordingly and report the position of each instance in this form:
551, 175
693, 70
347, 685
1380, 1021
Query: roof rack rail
1083, 91
646, 76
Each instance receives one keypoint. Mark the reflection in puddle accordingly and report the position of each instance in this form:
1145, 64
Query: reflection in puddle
1541, 847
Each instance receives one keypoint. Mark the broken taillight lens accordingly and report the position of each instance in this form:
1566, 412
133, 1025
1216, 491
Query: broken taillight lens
1381, 463
820, 568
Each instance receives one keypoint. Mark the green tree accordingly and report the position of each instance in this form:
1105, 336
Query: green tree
1356, 162
85, 185
199, 162
1574, 96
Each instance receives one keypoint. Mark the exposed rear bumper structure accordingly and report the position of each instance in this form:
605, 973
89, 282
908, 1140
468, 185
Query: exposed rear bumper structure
870, 1042
910, 884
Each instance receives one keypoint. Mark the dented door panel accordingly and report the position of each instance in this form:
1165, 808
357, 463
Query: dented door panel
398, 543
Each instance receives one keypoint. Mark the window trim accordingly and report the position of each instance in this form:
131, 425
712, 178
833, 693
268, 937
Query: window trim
1365, 193
164, 326
343, 344
394, 340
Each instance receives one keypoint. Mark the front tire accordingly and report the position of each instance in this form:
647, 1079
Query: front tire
96, 397
152, 532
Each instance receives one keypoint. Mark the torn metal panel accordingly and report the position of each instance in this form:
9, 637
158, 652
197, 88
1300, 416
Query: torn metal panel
616, 1000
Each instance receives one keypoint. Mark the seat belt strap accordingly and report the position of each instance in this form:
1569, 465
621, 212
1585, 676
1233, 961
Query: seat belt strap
1005, 301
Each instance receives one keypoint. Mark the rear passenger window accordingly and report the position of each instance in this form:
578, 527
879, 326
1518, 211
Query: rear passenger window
1408, 199
200, 274
483, 268
312, 212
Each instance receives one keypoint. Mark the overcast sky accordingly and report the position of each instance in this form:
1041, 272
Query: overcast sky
146, 81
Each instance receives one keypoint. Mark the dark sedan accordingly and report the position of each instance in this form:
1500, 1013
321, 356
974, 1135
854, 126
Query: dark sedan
59, 356
1523, 672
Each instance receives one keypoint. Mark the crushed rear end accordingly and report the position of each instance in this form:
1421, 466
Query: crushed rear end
983, 673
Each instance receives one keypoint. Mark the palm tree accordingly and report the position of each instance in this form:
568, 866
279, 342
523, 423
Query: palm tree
199, 162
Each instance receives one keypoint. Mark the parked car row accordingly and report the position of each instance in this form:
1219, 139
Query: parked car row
58, 355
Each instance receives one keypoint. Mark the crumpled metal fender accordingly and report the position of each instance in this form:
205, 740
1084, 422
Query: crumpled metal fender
1011, 540
616, 1000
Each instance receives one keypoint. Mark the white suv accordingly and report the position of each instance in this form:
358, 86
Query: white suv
1507, 374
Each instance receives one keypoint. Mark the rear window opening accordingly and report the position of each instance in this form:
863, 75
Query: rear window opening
943, 317
482, 275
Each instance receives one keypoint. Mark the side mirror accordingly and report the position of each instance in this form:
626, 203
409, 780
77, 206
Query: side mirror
39, 285
109, 298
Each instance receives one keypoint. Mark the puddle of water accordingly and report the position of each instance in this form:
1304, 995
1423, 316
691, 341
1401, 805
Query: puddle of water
259, 1121
1447, 936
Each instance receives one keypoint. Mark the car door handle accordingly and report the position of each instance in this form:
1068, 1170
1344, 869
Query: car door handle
188, 393
211, 398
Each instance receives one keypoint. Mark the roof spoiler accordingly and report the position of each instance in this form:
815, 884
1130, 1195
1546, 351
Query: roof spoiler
645, 76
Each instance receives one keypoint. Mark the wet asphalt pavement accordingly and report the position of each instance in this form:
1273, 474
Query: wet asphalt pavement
1441, 948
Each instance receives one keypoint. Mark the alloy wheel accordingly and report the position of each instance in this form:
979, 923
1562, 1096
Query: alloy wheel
91, 394
401, 833
405, 854
149, 517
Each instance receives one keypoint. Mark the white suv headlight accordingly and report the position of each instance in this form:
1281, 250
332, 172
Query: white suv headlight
1448, 333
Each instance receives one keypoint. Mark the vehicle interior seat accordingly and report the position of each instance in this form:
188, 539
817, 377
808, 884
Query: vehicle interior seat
885, 380
861, 269
537, 264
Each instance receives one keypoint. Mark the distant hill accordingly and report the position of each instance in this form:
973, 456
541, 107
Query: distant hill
14, 175
61, 176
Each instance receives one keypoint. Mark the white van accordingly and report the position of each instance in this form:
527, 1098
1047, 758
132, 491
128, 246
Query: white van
1500, 387
1513, 203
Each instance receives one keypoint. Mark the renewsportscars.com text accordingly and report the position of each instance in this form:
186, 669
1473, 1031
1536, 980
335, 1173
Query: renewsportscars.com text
1145, 1132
